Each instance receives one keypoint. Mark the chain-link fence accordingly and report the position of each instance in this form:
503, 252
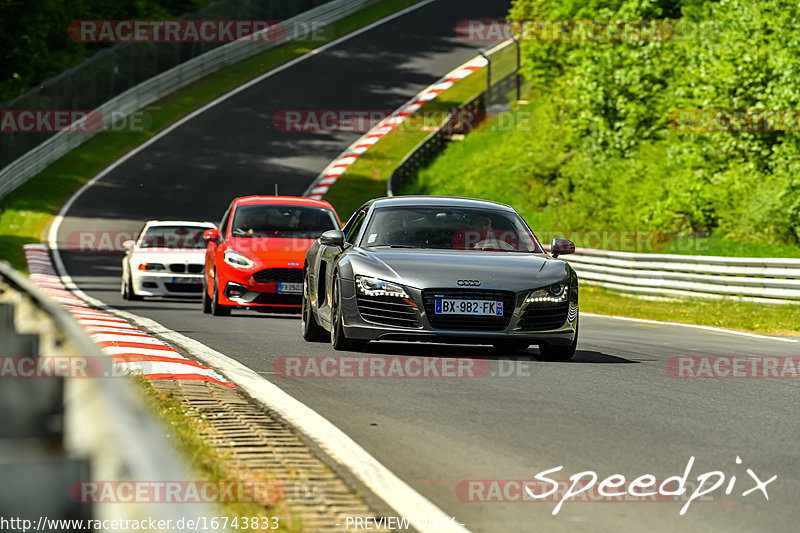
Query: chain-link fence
116, 69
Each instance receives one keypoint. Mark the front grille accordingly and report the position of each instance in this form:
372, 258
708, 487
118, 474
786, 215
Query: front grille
276, 298
388, 311
469, 322
184, 287
543, 316
180, 268
283, 275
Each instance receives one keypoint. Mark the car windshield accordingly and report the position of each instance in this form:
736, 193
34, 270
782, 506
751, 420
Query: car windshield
282, 221
180, 237
449, 228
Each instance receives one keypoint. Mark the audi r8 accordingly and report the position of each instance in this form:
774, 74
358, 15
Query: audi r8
165, 260
255, 258
440, 269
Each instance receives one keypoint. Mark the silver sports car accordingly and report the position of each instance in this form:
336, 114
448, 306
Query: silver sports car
440, 269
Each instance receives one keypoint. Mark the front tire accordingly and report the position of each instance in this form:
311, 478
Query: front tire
338, 339
206, 298
312, 332
560, 353
217, 309
128, 292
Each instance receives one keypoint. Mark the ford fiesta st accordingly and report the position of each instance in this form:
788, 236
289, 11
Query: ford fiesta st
166, 260
255, 259
424, 268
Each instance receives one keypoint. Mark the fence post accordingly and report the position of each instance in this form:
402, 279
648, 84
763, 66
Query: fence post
488, 78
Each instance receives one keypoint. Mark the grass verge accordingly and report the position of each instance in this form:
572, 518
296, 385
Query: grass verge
209, 464
25, 212
724, 313
498, 162
367, 177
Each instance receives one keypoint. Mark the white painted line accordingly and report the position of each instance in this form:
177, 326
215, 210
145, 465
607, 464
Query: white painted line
341, 448
695, 326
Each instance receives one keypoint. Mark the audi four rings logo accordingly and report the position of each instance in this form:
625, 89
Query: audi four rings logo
469, 282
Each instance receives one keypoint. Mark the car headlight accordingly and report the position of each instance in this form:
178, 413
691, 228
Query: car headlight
377, 287
556, 293
235, 259
151, 266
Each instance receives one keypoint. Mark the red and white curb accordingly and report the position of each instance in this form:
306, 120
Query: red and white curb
335, 169
130, 348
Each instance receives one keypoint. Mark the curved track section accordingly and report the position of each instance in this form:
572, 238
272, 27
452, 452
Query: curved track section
613, 410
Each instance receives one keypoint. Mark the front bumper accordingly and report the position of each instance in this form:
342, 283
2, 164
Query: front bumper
240, 288
411, 320
167, 284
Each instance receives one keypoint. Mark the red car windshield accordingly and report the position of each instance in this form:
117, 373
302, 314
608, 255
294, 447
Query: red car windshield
282, 221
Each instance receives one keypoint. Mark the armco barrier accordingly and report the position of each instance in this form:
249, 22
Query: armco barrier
34, 161
59, 431
767, 280
752, 279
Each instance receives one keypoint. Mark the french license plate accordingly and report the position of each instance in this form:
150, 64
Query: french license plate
292, 288
448, 306
186, 280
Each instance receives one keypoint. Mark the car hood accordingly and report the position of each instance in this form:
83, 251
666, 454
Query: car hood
272, 250
444, 268
167, 256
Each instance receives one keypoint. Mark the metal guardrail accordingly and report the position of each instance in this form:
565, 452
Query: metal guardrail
138, 97
774, 281
764, 280
58, 431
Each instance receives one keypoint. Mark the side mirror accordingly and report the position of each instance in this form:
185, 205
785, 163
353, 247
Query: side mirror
211, 235
128, 245
561, 247
333, 237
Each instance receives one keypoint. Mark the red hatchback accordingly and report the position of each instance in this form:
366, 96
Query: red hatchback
255, 259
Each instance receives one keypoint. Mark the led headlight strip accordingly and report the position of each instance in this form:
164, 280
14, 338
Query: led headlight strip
369, 286
556, 293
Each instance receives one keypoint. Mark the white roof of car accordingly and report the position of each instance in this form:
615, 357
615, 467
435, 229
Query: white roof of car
150, 223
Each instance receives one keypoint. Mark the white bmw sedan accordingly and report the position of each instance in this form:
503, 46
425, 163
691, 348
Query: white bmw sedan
166, 260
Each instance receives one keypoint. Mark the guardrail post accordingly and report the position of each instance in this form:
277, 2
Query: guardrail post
488, 78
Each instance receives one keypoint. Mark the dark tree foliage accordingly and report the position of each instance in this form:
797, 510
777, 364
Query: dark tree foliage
34, 41
620, 160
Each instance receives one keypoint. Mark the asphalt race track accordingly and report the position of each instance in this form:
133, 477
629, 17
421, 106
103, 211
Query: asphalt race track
613, 409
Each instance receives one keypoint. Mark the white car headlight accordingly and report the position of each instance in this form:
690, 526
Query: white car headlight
237, 260
151, 266
556, 293
369, 286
